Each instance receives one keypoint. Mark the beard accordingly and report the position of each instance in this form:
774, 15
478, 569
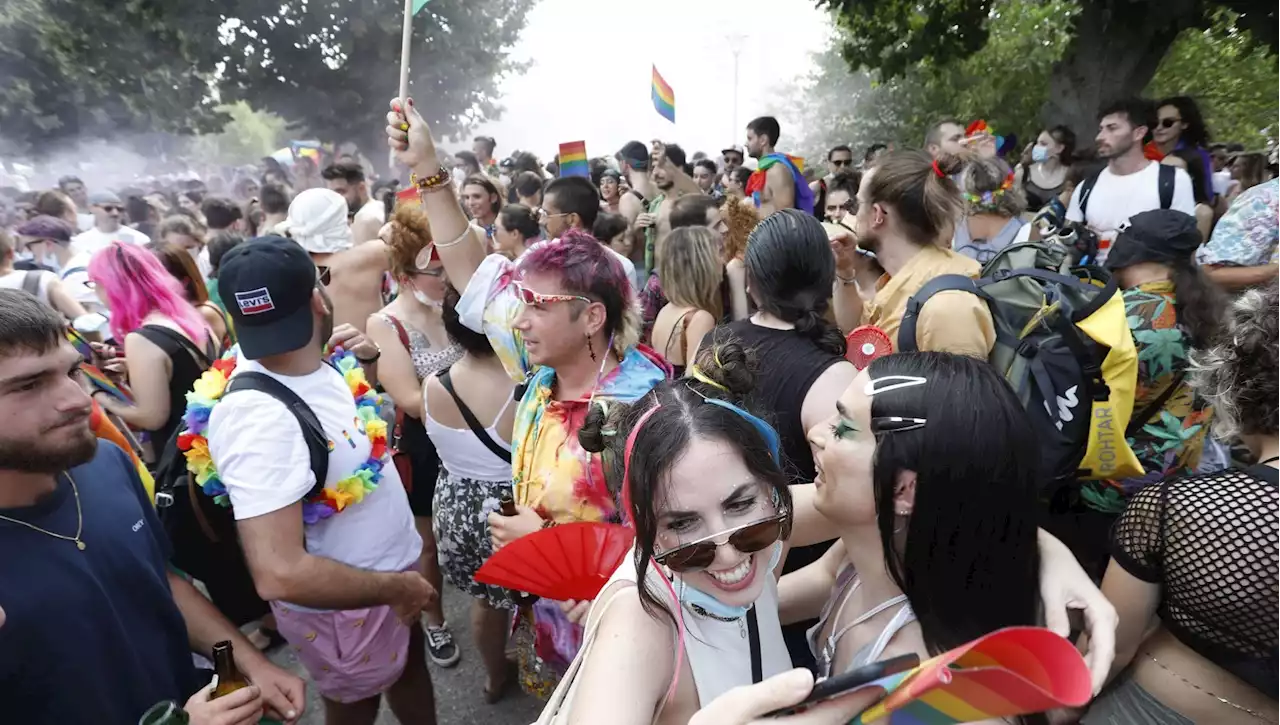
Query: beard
70, 448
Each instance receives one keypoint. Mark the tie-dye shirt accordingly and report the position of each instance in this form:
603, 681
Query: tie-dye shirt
550, 471
1248, 234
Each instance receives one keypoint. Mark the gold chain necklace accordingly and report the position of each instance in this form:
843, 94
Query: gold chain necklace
79, 519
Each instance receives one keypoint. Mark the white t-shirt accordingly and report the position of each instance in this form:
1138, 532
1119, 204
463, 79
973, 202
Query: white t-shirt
16, 278
1222, 182
262, 459
1116, 198
75, 280
84, 222
93, 240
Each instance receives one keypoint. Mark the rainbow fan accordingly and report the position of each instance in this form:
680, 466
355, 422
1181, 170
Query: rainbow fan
866, 343
1012, 671
569, 561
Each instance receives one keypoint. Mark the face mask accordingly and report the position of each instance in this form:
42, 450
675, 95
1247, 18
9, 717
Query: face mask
694, 597
1039, 153
421, 296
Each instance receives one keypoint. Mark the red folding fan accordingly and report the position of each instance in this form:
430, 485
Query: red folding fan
569, 561
865, 344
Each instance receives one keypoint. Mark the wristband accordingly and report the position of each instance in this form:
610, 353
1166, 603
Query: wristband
370, 360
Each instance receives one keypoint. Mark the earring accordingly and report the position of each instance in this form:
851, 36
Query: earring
591, 349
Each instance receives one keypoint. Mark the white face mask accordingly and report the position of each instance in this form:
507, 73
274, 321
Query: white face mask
422, 297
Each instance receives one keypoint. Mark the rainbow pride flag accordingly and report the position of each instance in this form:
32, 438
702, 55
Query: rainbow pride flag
1012, 671
573, 159
664, 99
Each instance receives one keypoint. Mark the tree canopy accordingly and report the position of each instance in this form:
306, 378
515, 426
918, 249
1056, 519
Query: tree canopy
1008, 82
81, 69
1114, 49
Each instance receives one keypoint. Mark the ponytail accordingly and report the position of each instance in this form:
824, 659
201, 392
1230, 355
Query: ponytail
920, 189
791, 272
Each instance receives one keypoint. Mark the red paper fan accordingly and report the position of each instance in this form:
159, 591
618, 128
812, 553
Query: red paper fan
569, 561
865, 344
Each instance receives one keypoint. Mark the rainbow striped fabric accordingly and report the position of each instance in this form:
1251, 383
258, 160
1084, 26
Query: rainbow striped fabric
573, 159
1013, 671
664, 99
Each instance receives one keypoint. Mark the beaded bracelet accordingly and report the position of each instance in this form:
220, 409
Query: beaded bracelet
438, 180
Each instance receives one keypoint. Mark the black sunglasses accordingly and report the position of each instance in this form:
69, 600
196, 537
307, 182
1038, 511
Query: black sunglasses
111, 207
842, 162
1169, 122
748, 538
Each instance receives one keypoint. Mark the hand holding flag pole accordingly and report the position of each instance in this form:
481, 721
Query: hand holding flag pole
411, 8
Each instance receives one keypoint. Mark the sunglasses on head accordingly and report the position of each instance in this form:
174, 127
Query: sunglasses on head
1169, 122
748, 538
529, 297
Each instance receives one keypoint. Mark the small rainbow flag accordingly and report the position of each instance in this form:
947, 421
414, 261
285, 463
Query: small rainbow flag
409, 196
573, 159
664, 99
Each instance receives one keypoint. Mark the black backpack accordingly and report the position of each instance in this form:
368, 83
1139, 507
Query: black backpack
187, 512
1168, 178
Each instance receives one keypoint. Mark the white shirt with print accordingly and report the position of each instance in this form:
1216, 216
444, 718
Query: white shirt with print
258, 448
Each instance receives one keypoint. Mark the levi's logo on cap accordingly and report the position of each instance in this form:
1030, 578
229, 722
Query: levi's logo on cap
255, 301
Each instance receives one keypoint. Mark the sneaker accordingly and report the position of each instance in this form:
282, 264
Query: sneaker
440, 646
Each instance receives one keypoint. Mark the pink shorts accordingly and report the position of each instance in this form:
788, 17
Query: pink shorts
352, 654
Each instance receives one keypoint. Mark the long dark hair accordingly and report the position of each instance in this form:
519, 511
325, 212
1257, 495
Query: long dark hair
969, 564
666, 435
791, 271
1067, 138
1200, 302
1195, 169
1195, 134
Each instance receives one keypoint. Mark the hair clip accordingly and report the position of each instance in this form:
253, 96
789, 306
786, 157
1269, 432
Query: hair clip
696, 373
937, 170
874, 387
895, 424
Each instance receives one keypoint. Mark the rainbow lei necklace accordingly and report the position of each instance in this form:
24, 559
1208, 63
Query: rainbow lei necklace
208, 391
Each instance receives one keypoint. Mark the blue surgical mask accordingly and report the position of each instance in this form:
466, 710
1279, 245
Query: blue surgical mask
1039, 153
694, 597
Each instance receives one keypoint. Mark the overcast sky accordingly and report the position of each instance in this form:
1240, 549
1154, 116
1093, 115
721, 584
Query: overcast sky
591, 71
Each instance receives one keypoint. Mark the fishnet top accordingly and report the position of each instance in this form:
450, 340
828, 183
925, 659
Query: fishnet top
1211, 543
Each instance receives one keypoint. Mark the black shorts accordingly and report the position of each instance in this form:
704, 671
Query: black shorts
426, 466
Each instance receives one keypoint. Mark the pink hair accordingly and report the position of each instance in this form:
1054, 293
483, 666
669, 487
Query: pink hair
136, 285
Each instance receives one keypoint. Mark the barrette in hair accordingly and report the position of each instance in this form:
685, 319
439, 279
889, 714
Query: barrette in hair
696, 373
895, 424
938, 170
891, 382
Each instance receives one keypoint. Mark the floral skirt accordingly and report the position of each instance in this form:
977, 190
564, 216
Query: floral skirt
461, 526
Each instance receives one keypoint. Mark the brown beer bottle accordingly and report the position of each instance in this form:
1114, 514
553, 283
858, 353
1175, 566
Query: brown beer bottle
507, 503
224, 666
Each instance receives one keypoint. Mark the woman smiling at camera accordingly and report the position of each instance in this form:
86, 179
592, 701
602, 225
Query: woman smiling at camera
713, 517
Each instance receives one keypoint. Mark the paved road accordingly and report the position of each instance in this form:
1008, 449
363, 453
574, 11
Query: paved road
459, 690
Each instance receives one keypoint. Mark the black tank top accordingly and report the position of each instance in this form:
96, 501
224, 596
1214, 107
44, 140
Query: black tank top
787, 365
188, 363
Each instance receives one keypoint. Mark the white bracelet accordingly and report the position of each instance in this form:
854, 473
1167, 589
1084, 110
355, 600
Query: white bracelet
459, 240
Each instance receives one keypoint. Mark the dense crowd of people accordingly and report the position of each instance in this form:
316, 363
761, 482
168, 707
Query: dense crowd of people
877, 409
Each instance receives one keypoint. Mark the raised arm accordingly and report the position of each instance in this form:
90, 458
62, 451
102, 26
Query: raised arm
461, 248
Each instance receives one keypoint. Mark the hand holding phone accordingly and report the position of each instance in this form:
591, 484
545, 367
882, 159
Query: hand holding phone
846, 682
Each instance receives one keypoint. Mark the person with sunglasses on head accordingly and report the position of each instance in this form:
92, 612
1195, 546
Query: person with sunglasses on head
564, 321
415, 346
354, 275
107, 211
839, 159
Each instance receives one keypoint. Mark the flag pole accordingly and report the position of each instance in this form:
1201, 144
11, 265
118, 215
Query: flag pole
406, 37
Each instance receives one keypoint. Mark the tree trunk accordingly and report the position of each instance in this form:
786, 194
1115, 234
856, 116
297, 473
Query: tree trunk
1115, 53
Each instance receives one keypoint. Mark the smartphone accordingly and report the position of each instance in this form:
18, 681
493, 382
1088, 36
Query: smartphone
841, 684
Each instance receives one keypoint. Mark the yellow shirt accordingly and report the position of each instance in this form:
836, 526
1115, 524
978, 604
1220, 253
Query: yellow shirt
951, 321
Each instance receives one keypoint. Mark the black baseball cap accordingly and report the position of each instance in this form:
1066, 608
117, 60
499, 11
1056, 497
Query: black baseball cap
266, 284
636, 154
1166, 236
